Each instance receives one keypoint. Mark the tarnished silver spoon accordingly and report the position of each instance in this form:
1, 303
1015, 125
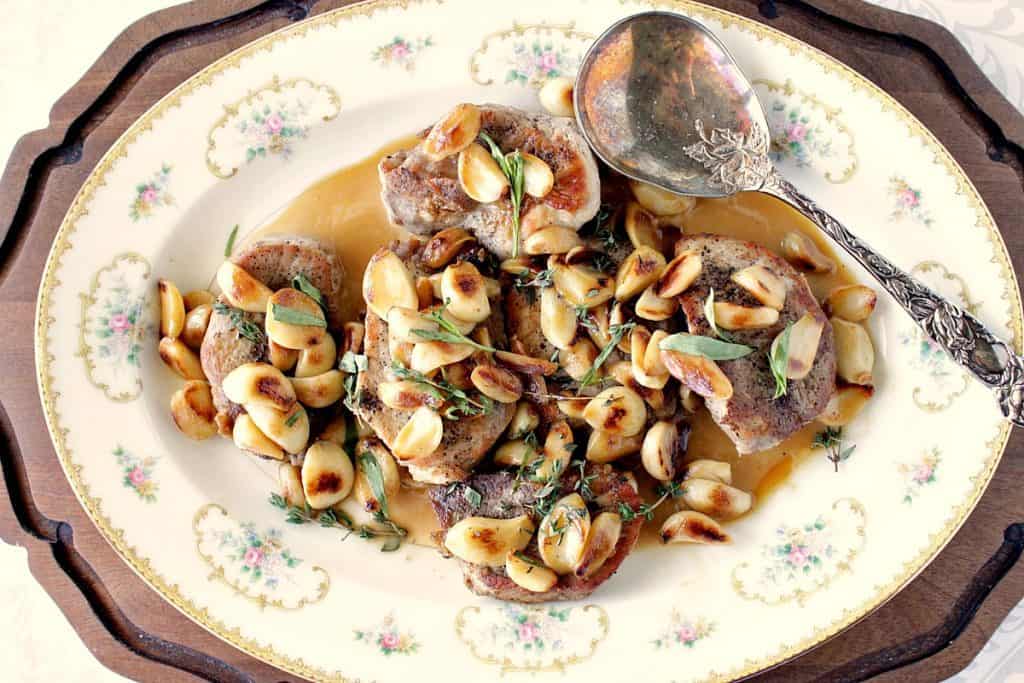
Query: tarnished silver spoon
660, 99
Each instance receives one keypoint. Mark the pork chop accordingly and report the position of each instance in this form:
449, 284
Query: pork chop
752, 418
503, 497
424, 196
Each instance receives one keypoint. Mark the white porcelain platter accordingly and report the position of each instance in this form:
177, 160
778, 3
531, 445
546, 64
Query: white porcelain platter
238, 140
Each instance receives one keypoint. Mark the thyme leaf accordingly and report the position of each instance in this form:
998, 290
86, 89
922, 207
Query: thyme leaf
513, 167
449, 332
243, 325
831, 440
336, 519
459, 402
617, 332
667, 491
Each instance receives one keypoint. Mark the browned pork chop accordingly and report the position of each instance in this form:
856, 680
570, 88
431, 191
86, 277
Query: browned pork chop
502, 497
424, 196
752, 418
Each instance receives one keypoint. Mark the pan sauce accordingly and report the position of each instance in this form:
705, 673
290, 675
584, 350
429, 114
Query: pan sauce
344, 209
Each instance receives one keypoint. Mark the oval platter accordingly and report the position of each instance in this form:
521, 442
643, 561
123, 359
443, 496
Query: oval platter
237, 141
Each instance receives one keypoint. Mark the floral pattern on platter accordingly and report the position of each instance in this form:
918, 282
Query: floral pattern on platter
939, 381
908, 202
115, 321
137, 473
268, 122
683, 632
401, 52
919, 473
256, 564
802, 559
387, 638
807, 132
152, 194
529, 54
532, 637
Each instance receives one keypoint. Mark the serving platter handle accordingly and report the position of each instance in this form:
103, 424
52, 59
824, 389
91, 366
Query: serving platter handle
967, 341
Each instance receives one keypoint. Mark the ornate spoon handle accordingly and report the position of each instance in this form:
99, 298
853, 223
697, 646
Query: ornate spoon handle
964, 338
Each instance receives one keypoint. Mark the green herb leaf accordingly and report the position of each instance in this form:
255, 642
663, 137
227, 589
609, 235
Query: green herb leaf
512, 166
371, 468
245, 327
831, 439
352, 363
697, 345
472, 496
459, 402
778, 359
292, 419
302, 283
449, 332
229, 247
709, 315
617, 332
293, 316
337, 519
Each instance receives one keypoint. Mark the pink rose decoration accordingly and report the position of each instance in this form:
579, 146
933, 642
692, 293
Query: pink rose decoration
400, 50
119, 323
687, 634
389, 641
909, 198
922, 473
798, 556
797, 132
528, 631
137, 476
253, 557
548, 61
275, 123
149, 195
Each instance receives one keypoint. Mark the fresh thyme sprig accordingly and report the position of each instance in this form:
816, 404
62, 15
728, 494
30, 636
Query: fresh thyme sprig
583, 483
459, 402
541, 280
230, 246
245, 327
665, 492
449, 332
336, 519
831, 439
616, 332
512, 166
550, 490
370, 468
603, 229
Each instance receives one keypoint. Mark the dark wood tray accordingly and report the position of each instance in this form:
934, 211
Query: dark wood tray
929, 631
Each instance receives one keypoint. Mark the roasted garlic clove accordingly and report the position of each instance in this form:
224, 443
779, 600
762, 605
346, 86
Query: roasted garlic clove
601, 542
524, 420
638, 271
716, 499
317, 359
289, 478
480, 176
557, 318
642, 228
762, 284
556, 96
442, 248
515, 453
537, 177
387, 283
336, 430
196, 298
327, 475
690, 526
526, 365
429, 356
679, 274
456, 131
527, 573
420, 436
196, 322
650, 306
582, 285
804, 338
289, 430
846, 404
172, 309
714, 470
283, 327
851, 302
180, 358
406, 395
370, 449
855, 355
558, 448
617, 410
562, 534
579, 358
603, 447
658, 201
408, 325
193, 411
241, 289
700, 374
320, 391
801, 251
553, 239
281, 358
497, 383
729, 316
249, 437
259, 384
659, 450
486, 541
463, 290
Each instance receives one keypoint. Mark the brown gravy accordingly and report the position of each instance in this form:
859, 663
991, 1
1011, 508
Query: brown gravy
344, 209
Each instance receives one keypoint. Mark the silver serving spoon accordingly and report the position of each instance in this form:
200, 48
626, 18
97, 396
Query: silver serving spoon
660, 99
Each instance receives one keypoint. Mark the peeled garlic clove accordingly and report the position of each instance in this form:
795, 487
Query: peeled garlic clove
804, 338
249, 437
690, 526
318, 359
406, 395
732, 317
404, 324
430, 356
319, 391
241, 289
462, 288
289, 430
528, 573
763, 285
605, 447
444, 246
524, 420
601, 542
196, 298
196, 322
801, 251
641, 269
573, 409
716, 499
455, 132
388, 283
659, 450
618, 317
597, 329
650, 306
714, 470
552, 240
537, 176
557, 318
515, 453
480, 176
486, 541
579, 358
689, 399
327, 475
193, 411
556, 96
180, 358
400, 352
526, 365
855, 355
658, 201
642, 228
558, 448
851, 302
259, 384
290, 480
172, 309
420, 436
646, 367
562, 534
281, 358
290, 335
700, 374
679, 274
845, 405
371, 448
582, 285
496, 383
352, 338
618, 410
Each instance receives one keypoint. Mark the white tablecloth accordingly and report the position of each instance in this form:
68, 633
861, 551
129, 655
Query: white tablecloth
46, 45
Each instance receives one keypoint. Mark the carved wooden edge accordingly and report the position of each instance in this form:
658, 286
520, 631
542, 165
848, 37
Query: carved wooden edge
145, 41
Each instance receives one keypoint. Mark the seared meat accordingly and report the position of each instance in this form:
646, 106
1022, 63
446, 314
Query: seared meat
502, 497
224, 349
752, 418
424, 196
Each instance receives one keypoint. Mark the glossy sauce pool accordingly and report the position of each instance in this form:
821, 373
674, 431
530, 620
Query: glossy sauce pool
344, 210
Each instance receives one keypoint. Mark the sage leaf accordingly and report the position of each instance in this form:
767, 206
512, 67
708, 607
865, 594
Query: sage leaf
709, 347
